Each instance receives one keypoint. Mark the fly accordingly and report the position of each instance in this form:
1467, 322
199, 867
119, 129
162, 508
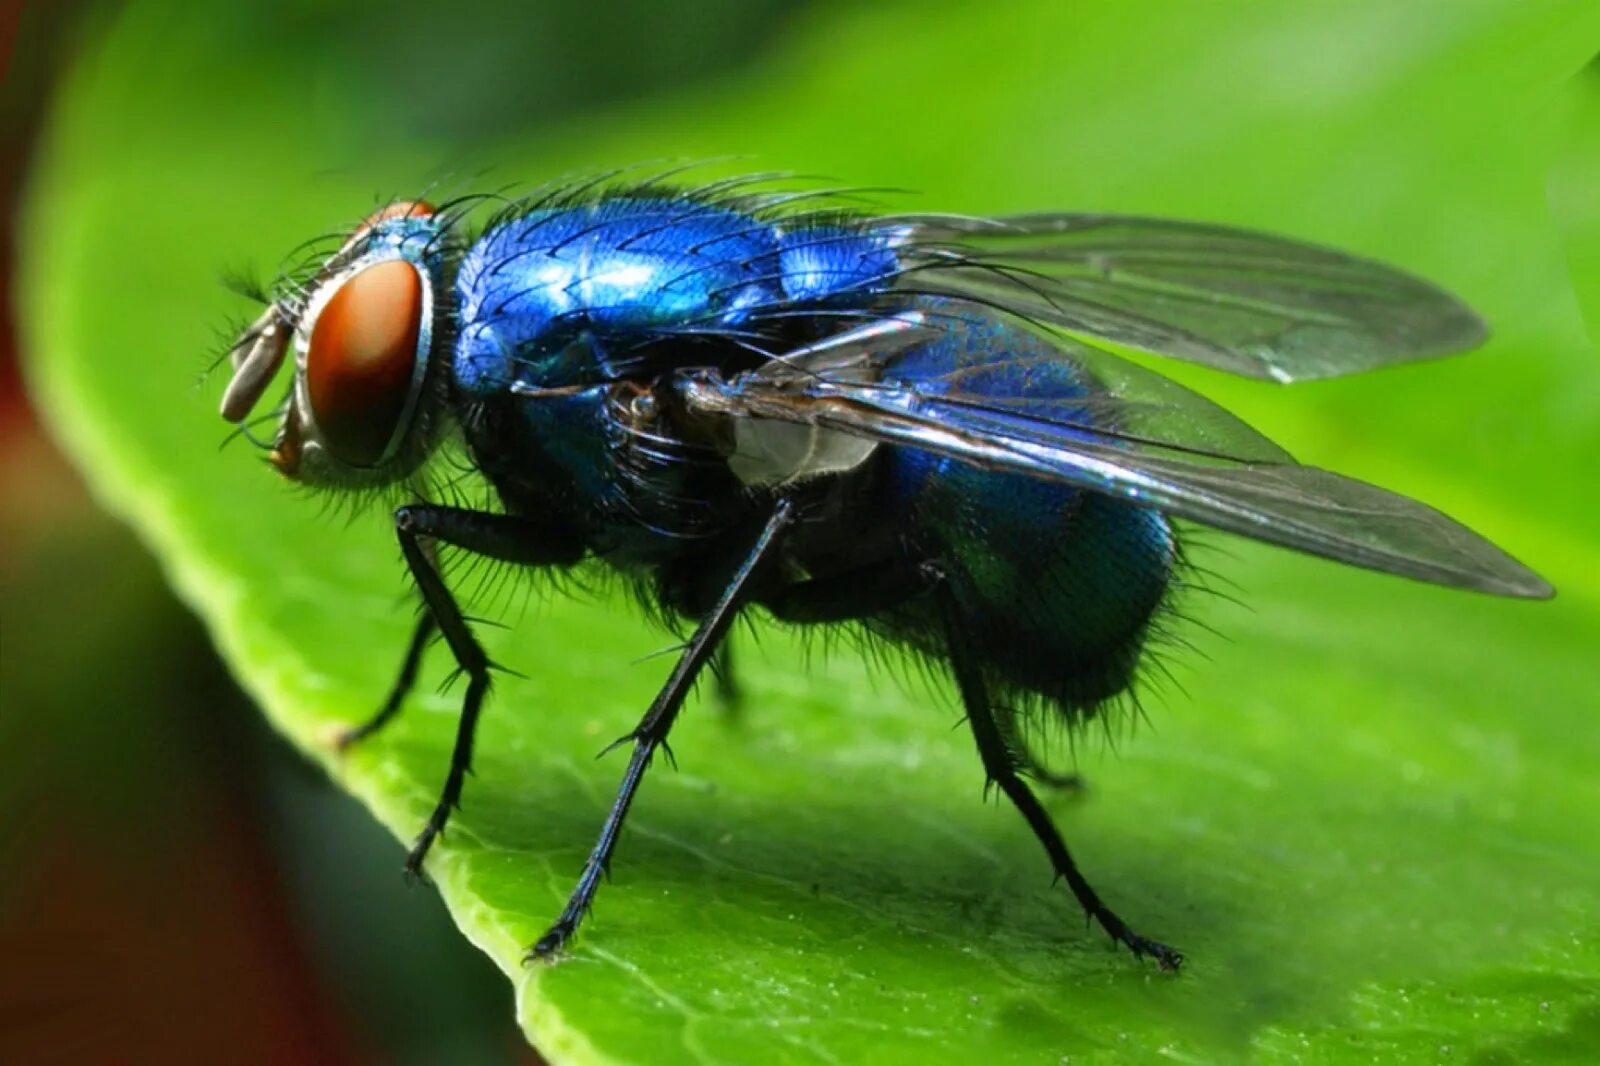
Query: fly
908, 424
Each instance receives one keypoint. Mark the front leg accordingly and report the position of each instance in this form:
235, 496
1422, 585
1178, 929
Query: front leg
425, 628
502, 537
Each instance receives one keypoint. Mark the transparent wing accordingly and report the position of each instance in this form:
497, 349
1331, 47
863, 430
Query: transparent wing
1167, 448
1231, 299
1127, 402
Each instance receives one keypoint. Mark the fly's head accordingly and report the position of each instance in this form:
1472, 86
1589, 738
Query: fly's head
366, 331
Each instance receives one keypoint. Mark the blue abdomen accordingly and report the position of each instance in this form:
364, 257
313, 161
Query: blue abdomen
1057, 585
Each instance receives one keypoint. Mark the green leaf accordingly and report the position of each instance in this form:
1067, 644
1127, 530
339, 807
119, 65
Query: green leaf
1369, 815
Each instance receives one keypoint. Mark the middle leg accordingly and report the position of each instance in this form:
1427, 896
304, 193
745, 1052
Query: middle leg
651, 732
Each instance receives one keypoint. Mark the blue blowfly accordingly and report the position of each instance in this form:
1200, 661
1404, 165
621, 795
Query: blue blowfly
909, 425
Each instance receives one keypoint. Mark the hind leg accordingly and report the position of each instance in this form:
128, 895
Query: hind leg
1000, 764
1033, 768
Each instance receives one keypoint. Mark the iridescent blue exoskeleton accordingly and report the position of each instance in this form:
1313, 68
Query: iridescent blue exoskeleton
843, 419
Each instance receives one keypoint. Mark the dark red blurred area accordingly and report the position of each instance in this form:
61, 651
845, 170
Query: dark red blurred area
141, 920
147, 912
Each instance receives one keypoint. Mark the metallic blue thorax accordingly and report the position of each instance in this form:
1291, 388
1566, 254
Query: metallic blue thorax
619, 274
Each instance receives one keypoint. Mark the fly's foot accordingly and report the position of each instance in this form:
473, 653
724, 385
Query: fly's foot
547, 947
341, 738
345, 738
419, 852
1167, 959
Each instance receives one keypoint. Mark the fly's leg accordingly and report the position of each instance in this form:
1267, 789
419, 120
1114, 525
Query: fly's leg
651, 732
1029, 765
1000, 766
1056, 779
497, 536
426, 628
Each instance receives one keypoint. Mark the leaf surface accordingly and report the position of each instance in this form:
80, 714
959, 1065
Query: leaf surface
1369, 816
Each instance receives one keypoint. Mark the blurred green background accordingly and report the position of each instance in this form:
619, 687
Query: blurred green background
1368, 814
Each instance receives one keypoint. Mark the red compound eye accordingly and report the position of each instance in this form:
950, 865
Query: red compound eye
362, 359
